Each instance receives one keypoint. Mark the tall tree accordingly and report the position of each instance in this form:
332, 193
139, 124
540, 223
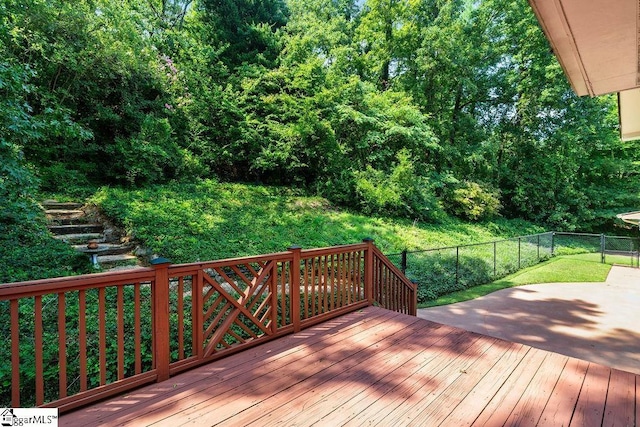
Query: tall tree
245, 28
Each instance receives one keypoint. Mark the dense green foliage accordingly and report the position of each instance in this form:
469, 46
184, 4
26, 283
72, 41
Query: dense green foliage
408, 108
29, 253
442, 271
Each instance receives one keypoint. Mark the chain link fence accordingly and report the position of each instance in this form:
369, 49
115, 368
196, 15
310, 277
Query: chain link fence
440, 271
598, 247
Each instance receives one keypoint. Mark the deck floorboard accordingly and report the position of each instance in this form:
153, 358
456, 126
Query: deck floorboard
376, 367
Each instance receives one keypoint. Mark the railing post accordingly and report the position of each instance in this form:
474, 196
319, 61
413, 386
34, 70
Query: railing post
162, 355
294, 291
403, 262
368, 270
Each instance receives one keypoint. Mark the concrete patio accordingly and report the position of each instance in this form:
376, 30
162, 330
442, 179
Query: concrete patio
596, 322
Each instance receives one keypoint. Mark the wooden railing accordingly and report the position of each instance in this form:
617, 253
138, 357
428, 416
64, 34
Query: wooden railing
71, 341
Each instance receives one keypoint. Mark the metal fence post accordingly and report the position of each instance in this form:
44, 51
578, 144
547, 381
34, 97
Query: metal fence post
403, 262
518, 253
602, 247
494, 258
553, 238
457, 262
538, 236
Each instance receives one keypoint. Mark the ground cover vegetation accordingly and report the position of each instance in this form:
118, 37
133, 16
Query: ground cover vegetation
212, 220
417, 109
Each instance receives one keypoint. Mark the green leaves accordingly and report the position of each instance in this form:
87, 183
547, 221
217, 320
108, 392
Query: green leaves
324, 95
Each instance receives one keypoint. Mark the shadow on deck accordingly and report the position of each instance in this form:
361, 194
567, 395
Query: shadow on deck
374, 366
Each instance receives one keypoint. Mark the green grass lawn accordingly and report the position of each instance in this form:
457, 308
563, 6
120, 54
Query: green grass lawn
561, 269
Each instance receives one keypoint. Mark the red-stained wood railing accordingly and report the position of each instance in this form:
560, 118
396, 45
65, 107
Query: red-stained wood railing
391, 289
79, 339
62, 331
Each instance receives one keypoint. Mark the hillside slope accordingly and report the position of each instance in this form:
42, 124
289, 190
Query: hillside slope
211, 220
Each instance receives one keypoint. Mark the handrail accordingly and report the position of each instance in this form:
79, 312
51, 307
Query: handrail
97, 335
393, 290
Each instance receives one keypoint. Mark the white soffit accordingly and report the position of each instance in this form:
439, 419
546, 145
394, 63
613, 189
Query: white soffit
629, 110
596, 42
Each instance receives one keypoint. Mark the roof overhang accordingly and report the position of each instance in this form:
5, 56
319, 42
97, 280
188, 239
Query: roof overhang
596, 42
630, 217
597, 45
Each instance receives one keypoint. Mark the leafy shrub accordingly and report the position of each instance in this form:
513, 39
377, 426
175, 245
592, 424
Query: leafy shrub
401, 193
59, 177
442, 271
437, 273
470, 200
28, 252
150, 157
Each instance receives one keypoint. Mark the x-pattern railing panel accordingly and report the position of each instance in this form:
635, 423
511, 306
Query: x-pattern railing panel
241, 307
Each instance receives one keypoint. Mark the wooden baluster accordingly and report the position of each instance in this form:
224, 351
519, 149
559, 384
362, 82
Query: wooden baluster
38, 350
314, 287
103, 336
181, 318
137, 332
197, 319
15, 354
358, 278
325, 285
283, 294
305, 280
120, 325
82, 337
62, 346
273, 287
350, 275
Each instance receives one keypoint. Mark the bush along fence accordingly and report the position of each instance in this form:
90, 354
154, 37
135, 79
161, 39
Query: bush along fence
443, 270
73, 340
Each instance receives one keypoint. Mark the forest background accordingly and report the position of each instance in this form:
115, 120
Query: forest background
421, 109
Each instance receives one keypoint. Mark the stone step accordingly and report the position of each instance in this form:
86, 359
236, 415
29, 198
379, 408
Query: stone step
114, 259
76, 228
78, 238
109, 248
63, 213
69, 221
123, 268
55, 205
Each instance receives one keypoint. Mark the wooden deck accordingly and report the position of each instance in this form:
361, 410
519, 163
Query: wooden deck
377, 367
